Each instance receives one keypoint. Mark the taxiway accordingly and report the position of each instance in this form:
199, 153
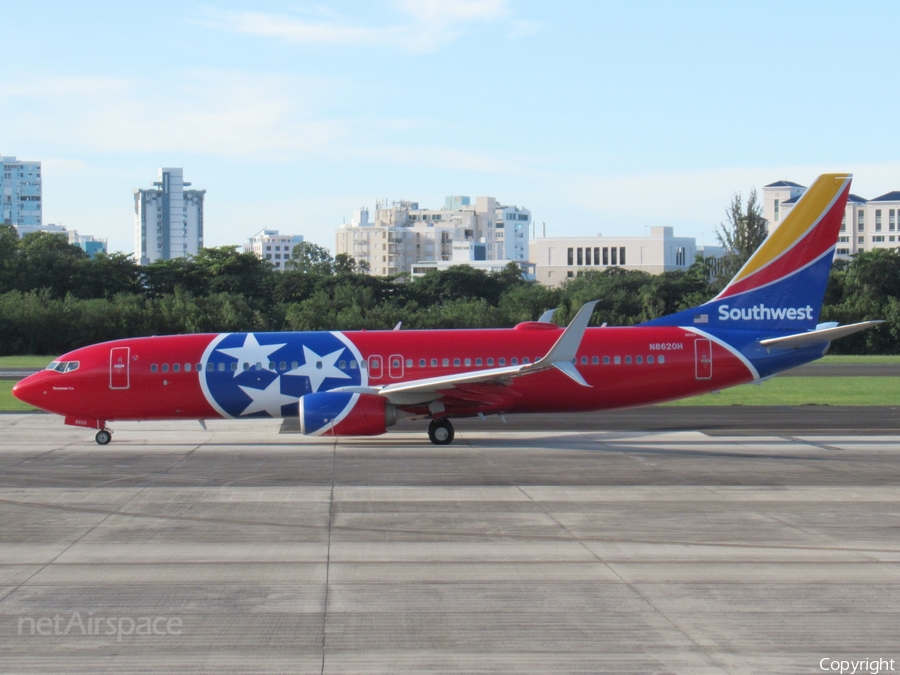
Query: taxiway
509, 551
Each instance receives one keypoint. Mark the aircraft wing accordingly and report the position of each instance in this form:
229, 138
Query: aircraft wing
817, 336
560, 356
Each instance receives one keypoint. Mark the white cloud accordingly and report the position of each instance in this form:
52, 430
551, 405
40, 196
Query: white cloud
212, 112
695, 200
428, 25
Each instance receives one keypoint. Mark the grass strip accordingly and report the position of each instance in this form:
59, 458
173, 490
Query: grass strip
794, 391
8, 402
25, 361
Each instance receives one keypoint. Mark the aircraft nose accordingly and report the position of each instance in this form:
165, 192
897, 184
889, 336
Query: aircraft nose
30, 390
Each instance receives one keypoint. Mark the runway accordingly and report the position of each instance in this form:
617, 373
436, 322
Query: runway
512, 550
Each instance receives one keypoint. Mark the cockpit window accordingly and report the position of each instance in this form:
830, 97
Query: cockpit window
64, 366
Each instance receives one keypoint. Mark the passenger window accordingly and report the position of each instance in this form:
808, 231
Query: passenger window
421, 363
395, 363
187, 367
639, 359
296, 364
234, 366
502, 362
272, 366
342, 364
318, 365
617, 360
352, 364
584, 360
525, 360
605, 360
628, 360
595, 360
650, 359
154, 368
176, 367
514, 361
477, 362
199, 367
468, 362
165, 368
490, 361
456, 363
434, 363
662, 358
283, 365
445, 363
409, 363
221, 367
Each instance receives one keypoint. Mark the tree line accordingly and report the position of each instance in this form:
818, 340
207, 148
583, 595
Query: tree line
54, 298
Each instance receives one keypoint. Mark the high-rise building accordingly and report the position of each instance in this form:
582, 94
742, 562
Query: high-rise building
168, 219
273, 247
20, 191
402, 234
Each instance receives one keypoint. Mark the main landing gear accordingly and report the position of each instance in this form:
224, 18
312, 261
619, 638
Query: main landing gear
103, 437
440, 431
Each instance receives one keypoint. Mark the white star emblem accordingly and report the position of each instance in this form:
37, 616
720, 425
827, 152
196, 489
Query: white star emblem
318, 368
267, 400
252, 352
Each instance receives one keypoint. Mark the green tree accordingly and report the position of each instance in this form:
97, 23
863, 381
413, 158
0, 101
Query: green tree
740, 237
310, 258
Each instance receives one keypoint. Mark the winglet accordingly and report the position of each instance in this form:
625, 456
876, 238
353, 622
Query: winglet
562, 354
547, 316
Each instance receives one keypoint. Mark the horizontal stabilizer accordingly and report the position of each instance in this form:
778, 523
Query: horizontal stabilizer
817, 336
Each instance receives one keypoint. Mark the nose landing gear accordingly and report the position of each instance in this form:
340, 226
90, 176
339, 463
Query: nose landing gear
440, 431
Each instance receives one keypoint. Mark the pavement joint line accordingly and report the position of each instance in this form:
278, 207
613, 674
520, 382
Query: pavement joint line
328, 554
571, 536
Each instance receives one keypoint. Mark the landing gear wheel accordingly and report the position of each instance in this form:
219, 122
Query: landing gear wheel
440, 432
103, 437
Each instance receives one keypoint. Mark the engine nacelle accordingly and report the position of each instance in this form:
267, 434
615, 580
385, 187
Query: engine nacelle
329, 413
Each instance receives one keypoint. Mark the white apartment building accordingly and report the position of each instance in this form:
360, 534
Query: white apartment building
402, 234
20, 192
168, 219
561, 258
272, 246
867, 224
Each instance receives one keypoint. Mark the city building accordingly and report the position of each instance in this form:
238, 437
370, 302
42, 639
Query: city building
402, 234
274, 247
474, 255
559, 258
868, 223
168, 219
49, 228
87, 243
20, 192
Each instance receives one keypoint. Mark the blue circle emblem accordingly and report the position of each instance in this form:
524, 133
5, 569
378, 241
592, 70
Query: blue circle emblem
265, 374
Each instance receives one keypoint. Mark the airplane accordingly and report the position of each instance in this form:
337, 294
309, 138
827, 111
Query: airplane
360, 383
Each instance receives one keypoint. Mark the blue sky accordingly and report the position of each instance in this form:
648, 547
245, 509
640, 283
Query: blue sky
598, 116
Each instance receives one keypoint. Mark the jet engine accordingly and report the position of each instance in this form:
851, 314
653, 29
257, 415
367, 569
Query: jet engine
329, 413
